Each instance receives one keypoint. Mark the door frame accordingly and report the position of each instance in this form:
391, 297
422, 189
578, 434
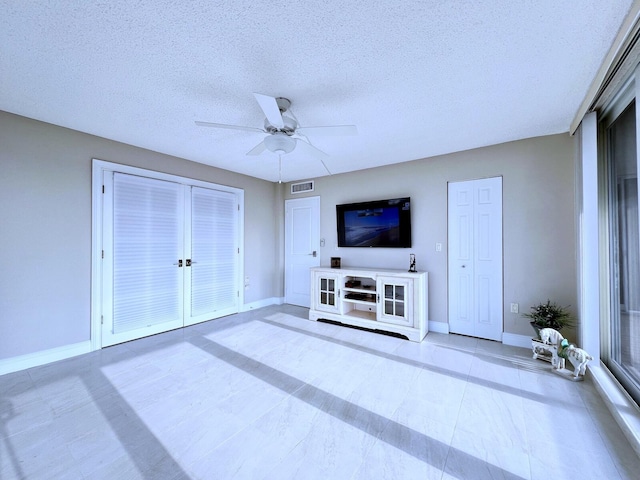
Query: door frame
100, 168
316, 207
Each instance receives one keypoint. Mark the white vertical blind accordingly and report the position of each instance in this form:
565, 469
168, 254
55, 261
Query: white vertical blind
214, 251
147, 243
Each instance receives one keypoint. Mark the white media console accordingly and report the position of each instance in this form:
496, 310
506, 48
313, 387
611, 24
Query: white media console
388, 300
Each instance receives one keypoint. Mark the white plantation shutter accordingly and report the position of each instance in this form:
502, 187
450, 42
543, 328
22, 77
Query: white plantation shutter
148, 221
214, 251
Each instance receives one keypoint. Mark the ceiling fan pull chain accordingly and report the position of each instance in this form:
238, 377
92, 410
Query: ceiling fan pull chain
279, 168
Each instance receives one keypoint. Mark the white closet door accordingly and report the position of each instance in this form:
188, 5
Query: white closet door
212, 251
475, 258
147, 249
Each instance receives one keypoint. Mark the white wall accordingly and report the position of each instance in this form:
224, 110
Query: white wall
538, 216
45, 229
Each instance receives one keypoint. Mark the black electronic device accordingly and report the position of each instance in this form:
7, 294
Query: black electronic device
379, 223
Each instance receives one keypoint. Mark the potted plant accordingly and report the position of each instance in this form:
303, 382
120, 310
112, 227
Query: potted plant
548, 315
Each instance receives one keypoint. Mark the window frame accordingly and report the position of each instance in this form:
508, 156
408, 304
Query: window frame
619, 103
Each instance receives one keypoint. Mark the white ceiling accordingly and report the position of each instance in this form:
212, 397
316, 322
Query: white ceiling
418, 77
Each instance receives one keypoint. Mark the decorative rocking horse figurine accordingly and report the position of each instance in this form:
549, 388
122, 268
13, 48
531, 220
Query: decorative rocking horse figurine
550, 336
577, 356
553, 338
552, 342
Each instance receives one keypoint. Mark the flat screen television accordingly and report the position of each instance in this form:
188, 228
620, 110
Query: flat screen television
380, 223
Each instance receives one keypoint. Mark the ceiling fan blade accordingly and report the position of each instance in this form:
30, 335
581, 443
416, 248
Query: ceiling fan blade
258, 149
230, 127
270, 108
308, 149
335, 130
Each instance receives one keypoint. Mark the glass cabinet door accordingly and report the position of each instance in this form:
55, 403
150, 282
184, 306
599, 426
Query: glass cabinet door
327, 292
395, 301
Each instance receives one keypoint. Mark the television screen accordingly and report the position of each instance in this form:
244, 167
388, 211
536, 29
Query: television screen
380, 223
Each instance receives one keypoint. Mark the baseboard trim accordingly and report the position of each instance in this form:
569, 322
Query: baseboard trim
22, 362
438, 327
265, 302
512, 339
516, 340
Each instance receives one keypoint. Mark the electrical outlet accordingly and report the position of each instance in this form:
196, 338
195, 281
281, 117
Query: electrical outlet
438, 247
514, 308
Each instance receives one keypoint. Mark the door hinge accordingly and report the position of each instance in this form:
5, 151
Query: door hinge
238, 249
101, 319
102, 188
102, 253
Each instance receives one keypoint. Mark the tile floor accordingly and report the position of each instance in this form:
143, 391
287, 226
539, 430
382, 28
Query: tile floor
270, 394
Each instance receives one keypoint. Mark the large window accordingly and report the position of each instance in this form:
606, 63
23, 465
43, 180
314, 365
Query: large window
622, 339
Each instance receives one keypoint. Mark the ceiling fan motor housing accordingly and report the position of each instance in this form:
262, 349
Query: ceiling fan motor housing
289, 127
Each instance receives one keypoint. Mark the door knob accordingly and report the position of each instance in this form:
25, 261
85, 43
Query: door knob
314, 253
464, 266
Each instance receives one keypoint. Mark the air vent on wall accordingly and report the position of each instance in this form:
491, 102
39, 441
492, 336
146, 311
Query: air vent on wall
302, 187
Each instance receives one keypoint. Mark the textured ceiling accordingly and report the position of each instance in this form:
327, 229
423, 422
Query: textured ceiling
418, 78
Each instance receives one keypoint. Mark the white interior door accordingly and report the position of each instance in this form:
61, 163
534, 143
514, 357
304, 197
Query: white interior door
169, 256
475, 258
302, 248
143, 247
212, 255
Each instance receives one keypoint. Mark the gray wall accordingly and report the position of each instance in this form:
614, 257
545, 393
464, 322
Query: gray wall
45, 224
538, 217
45, 229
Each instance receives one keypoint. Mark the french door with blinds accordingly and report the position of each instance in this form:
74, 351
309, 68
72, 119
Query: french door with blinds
170, 254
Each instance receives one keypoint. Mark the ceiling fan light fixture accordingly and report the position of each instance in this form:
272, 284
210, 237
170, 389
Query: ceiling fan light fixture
280, 143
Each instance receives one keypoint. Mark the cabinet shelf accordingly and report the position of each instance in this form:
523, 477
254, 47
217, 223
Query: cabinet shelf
362, 314
359, 297
360, 290
359, 302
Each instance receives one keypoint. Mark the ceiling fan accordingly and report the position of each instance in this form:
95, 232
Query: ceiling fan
283, 132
